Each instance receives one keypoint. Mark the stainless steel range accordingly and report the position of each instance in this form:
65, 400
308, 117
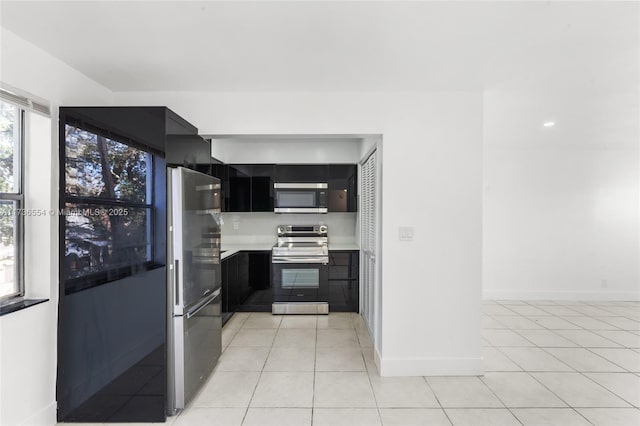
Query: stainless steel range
300, 270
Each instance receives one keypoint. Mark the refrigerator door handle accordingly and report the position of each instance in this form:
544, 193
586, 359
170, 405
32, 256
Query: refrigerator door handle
197, 308
177, 281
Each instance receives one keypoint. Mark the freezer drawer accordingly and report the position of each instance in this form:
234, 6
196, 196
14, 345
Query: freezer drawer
196, 349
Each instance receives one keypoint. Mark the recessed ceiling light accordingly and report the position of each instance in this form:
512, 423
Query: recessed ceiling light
549, 124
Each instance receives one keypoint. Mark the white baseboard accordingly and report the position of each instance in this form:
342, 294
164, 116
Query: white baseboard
376, 358
429, 366
45, 417
608, 296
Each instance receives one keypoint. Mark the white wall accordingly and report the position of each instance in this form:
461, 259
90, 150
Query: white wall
260, 228
28, 355
432, 174
304, 149
561, 213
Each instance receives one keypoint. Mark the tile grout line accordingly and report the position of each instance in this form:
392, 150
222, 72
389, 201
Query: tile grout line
438, 400
575, 370
545, 350
261, 371
543, 385
313, 388
373, 392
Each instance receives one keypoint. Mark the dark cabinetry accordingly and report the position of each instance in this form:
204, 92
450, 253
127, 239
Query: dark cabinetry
262, 179
302, 173
189, 151
249, 187
122, 376
344, 274
246, 282
343, 182
239, 194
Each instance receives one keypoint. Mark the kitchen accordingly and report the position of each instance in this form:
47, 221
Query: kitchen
280, 239
465, 103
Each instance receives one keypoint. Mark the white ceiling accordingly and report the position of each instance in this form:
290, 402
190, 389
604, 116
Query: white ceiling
336, 46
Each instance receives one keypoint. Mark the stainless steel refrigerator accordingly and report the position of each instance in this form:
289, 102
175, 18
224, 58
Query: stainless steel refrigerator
194, 283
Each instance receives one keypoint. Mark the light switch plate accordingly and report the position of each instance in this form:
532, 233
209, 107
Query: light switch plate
406, 233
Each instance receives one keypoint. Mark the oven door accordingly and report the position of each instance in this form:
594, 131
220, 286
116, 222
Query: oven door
300, 198
300, 282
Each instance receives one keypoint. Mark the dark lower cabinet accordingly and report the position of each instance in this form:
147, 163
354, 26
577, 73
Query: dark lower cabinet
246, 283
344, 289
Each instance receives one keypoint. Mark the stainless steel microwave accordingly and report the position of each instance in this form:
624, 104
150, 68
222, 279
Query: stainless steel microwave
300, 197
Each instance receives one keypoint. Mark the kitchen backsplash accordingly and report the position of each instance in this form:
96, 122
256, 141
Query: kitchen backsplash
260, 228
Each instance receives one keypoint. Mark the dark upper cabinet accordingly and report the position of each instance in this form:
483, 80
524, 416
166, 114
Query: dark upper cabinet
221, 171
302, 173
249, 187
262, 179
191, 151
343, 182
239, 185
144, 127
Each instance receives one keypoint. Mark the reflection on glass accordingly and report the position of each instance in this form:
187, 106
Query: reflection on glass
9, 184
296, 199
300, 278
7, 248
9, 141
100, 167
99, 238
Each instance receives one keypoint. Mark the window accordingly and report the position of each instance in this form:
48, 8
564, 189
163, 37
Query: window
11, 199
108, 210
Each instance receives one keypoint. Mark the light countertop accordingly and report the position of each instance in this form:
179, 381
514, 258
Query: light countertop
231, 249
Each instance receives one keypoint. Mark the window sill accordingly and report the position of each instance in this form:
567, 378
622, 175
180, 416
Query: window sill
18, 306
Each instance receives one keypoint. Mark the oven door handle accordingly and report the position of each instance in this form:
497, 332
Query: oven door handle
295, 259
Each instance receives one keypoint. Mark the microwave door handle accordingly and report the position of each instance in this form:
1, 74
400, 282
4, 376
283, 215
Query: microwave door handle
292, 259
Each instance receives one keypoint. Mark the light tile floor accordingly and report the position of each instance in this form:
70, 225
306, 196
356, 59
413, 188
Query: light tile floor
546, 363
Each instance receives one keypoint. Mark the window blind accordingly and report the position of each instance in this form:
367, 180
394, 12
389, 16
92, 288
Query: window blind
25, 103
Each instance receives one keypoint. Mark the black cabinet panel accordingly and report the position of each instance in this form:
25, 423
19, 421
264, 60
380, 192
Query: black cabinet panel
260, 270
260, 296
233, 297
261, 194
176, 125
344, 292
239, 194
247, 282
343, 181
221, 171
191, 151
249, 187
243, 277
118, 328
302, 173
262, 179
